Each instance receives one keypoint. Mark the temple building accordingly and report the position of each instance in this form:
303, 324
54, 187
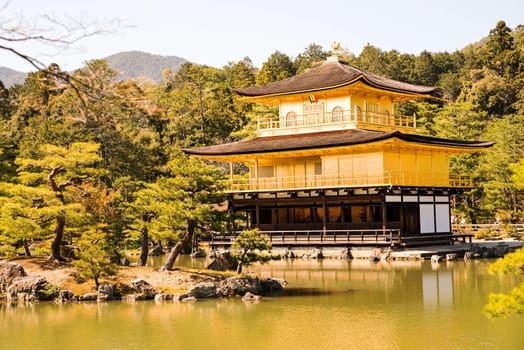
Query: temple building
339, 164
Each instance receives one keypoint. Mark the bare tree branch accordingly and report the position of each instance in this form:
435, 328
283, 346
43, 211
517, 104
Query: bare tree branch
49, 30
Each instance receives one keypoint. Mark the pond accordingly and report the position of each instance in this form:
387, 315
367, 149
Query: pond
328, 304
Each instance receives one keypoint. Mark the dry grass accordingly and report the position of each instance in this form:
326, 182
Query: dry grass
64, 275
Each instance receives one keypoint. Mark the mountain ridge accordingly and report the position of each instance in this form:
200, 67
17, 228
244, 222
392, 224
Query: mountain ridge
10, 76
129, 65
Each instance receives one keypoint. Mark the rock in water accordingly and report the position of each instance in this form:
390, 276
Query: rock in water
106, 292
435, 258
65, 296
8, 272
160, 298
144, 287
251, 298
31, 288
233, 286
88, 297
198, 254
270, 285
204, 290
451, 256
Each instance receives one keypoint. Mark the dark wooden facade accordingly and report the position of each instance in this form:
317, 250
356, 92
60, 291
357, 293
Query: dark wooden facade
413, 212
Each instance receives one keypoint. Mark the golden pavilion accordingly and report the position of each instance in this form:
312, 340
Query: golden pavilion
340, 166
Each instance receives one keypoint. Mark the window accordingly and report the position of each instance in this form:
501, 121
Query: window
291, 119
358, 113
371, 107
387, 118
337, 114
372, 112
313, 113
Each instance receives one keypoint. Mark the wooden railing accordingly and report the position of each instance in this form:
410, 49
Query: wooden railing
386, 237
474, 228
353, 117
340, 180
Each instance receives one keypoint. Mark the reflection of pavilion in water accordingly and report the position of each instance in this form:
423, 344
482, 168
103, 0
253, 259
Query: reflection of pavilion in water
437, 286
413, 282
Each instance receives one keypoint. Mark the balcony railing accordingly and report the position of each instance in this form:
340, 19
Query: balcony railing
354, 118
338, 181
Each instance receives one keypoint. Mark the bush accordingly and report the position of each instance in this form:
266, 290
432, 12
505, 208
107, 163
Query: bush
486, 234
7, 251
93, 258
248, 247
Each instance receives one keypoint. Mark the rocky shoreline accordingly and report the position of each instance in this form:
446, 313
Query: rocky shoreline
477, 249
46, 281
19, 287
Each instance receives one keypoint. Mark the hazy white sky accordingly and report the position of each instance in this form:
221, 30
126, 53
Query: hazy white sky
215, 32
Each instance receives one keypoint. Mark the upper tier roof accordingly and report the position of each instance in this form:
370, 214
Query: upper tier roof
331, 74
325, 139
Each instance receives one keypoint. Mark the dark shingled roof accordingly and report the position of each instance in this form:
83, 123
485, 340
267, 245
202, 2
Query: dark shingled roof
324, 139
331, 74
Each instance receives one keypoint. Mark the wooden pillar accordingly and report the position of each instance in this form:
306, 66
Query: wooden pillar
384, 217
231, 174
256, 177
257, 213
402, 219
365, 116
324, 216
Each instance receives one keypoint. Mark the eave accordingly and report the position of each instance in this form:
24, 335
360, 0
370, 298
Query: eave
391, 142
360, 85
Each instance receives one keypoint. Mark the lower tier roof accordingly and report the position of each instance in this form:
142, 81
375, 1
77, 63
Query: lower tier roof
326, 139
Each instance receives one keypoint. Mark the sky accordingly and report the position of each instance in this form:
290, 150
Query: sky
216, 32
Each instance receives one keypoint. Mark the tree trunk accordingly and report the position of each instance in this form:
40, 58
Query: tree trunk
177, 249
26, 248
60, 220
57, 239
144, 247
241, 261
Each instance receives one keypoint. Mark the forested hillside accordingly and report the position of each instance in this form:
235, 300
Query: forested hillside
129, 65
86, 157
142, 65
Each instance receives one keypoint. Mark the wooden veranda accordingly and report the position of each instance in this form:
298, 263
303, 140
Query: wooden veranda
391, 238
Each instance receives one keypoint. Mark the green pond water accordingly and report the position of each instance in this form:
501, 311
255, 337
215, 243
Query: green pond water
328, 304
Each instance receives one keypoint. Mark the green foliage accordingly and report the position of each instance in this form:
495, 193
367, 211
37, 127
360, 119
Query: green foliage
312, 56
199, 105
505, 305
50, 193
512, 263
486, 234
191, 187
425, 71
517, 174
278, 66
372, 59
248, 246
93, 251
500, 190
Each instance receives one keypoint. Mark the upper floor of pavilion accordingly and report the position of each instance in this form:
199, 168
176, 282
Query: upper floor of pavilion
335, 96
